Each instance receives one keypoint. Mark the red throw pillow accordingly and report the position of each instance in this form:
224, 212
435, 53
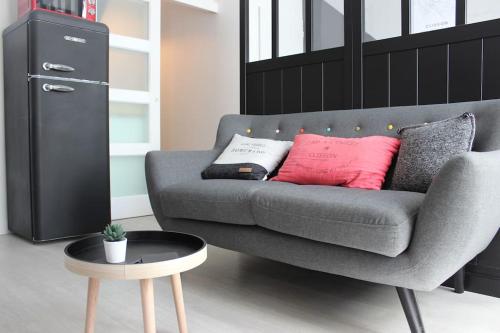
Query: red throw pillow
356, 162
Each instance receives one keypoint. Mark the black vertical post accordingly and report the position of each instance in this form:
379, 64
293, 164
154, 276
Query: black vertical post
405, 17
243, 53
275, 28
461, 12
308, 24
348, 55
357, 22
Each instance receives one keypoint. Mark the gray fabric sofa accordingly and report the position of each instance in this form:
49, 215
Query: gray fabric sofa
412, 241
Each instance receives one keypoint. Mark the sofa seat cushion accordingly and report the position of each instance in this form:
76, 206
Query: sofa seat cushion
216, 200
375, 221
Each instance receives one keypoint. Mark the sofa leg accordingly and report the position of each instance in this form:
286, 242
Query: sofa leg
410, 307
458, 281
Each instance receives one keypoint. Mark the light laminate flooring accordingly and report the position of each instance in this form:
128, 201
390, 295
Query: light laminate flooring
231, 292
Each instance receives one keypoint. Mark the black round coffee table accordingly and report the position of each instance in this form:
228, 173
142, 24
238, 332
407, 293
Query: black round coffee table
150, 254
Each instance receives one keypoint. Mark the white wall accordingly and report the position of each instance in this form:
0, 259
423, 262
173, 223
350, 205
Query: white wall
200, 73
8, 14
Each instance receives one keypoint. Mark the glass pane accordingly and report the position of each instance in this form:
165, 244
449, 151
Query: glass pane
129, 123
259, 30
291, 27
382, 19
128, 69
127, 176
327, 24
125, 17
428, 15
482, 10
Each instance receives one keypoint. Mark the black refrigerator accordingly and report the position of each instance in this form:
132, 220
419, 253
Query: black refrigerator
56, 126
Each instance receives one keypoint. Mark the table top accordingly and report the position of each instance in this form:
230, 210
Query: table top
150, 254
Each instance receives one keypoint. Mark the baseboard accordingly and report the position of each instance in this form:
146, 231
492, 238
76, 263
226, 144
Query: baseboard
132, 206
478, 281
4, 230
486, 283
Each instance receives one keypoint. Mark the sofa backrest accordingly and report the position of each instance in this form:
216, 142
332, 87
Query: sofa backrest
364, 122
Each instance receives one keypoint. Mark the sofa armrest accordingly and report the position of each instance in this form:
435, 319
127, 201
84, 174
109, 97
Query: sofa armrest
459, 217
167, 168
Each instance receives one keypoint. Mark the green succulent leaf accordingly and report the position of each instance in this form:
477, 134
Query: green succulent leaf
114, 233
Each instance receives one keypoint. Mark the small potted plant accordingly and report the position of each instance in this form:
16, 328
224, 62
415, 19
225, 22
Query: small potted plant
115, 243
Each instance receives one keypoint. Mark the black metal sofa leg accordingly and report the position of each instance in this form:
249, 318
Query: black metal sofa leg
410, 307
458, 281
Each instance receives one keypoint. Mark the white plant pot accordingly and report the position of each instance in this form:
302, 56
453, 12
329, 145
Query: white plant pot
115, 251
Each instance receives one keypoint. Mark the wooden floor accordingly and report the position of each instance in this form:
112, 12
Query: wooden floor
230, 293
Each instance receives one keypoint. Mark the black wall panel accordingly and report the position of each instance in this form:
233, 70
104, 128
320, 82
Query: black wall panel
433, 75
465, 71
333, 85
272, 92
491, 68
292, 90
255, 93
376, 81
403, 78
312, 88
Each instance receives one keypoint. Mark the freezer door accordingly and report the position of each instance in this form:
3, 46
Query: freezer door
66, 51
70, 158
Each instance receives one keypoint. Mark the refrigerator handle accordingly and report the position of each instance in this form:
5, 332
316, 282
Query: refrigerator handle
57, 87
57, 67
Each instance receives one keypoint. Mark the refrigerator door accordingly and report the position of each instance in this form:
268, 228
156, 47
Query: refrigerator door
70, 158
67, 51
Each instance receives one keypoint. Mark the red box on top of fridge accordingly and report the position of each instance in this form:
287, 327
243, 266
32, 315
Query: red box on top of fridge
85, 9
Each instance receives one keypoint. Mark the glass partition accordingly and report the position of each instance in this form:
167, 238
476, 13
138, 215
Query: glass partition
428, 15
129, 123
259, 30
382, 19
291, 27
125, 17
128, 69
327, 24
482, 10
127, 176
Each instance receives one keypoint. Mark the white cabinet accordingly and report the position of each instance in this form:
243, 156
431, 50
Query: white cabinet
134, 60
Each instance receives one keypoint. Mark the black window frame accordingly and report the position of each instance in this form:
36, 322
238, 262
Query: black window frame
352, 50
352, 9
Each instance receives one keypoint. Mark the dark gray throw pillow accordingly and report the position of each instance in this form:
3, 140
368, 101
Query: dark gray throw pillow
245, 171
426, 148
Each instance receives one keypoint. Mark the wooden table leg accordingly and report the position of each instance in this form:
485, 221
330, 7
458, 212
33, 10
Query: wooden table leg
148, 305
179, 302
92, 294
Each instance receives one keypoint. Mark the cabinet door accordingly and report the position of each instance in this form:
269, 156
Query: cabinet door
134, 98
70, 163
